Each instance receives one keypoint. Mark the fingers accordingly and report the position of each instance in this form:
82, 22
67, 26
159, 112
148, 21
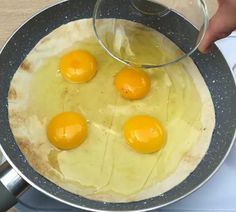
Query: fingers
221, 24
215, 31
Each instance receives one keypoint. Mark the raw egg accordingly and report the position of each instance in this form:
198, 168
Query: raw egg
67, 130
78, 66
145, 134
104, 167
132, 83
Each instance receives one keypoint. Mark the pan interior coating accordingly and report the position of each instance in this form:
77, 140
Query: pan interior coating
104, 167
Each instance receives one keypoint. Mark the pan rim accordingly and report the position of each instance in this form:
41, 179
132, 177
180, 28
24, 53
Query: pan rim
99, 210
83, 207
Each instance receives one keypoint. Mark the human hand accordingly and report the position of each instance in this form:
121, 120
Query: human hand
221, 24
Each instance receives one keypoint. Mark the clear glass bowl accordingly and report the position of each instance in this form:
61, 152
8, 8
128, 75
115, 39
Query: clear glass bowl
123, 28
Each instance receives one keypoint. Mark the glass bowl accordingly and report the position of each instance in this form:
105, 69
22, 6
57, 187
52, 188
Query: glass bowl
143, 32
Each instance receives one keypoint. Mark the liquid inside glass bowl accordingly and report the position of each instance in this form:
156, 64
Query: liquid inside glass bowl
127, 29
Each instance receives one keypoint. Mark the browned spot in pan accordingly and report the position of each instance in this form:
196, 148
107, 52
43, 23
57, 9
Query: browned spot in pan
190, 159
31, 155
12, 95
52, 158
179, 53
16, 117
45, 40
25, 66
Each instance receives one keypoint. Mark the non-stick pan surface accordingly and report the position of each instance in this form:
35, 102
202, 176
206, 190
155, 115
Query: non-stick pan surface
212, 66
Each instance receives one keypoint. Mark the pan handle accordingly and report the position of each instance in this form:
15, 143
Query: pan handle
11, 186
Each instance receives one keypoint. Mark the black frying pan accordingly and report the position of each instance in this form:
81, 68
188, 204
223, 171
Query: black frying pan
212, 66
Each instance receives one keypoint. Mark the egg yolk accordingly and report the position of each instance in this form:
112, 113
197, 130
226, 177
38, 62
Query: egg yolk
67, 130
132, 83
145, 134
78, 66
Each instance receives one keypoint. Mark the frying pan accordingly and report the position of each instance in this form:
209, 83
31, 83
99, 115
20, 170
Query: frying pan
212, 66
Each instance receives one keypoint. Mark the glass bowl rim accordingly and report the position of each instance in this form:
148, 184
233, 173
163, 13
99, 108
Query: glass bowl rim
202, 32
